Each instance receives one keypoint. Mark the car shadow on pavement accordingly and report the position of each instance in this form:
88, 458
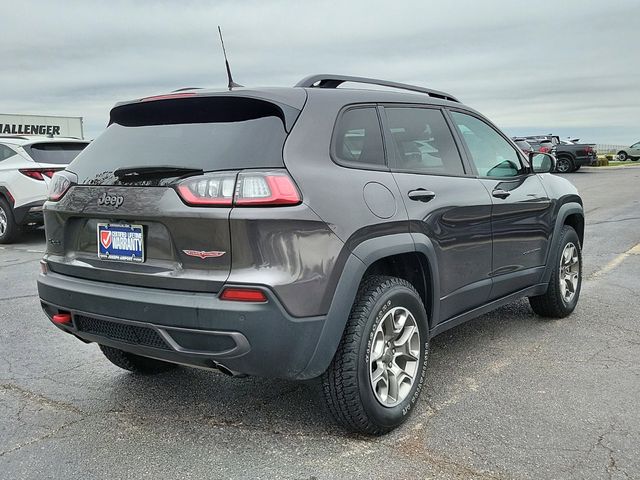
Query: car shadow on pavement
188, 396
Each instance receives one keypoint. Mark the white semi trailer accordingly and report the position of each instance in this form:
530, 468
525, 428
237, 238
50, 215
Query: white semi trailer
52, 126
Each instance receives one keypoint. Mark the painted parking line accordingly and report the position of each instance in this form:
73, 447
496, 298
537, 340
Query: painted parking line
616, 262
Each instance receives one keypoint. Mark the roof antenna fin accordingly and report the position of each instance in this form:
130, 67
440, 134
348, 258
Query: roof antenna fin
232, 84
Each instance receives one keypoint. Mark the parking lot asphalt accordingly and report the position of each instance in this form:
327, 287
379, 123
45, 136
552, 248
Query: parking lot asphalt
509, 395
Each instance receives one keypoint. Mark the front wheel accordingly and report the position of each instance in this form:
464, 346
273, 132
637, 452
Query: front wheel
379, 368
563, 292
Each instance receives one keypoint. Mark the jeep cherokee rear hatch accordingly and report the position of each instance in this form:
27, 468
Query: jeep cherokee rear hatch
148, 202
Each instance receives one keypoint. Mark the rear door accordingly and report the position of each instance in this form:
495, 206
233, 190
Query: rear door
521, 217
127, 191
444, 203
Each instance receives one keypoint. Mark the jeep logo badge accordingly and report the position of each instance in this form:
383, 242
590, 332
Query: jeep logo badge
113, 200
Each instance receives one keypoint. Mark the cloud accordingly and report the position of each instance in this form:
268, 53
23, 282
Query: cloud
571, 65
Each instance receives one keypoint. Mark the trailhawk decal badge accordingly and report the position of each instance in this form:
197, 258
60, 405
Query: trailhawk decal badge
202, 254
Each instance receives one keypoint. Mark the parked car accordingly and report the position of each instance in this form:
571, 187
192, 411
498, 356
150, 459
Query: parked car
304, 232
27, 164
633, 153
570, 156
525, 146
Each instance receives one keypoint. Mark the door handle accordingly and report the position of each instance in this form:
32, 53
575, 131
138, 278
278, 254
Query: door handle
499, 193
421, 195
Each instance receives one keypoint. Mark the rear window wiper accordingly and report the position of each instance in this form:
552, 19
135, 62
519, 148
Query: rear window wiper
135, 174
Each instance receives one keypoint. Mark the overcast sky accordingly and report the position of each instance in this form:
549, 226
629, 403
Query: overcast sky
569, 67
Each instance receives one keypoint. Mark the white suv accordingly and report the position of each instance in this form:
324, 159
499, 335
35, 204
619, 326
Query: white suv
27, 164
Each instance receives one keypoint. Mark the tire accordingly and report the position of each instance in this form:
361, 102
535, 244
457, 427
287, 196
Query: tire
635, 159
622, 156
348, 383
555, 302
9, 230
135, 363
564, 165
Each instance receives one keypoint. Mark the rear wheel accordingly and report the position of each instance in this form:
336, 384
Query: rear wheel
564, 165
563, 292
622, 156
379, 368
135, 363
9, 230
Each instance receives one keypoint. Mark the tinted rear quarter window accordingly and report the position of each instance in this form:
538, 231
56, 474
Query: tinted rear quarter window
56, 153
6, 152
422, 141
357, 138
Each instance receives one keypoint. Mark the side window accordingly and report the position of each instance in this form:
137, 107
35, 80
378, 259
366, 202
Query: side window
6, 152
357, 138
492, 155
422, 141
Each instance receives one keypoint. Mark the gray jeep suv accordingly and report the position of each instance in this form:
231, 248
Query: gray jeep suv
305, 232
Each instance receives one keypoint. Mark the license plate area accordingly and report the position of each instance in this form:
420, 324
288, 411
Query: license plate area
120, 242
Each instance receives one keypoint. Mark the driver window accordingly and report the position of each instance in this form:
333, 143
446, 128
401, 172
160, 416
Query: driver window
492, 155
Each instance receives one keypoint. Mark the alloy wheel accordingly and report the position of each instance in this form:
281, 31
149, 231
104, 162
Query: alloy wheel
563, 165
569, 272
3, 221
394, 356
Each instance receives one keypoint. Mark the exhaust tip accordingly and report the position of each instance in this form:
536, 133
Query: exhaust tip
227, 371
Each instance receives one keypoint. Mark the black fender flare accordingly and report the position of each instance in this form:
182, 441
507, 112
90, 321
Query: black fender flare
361, 257
564, 211
6, 194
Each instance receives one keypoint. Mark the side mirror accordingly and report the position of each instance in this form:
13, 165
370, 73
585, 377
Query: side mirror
542, 162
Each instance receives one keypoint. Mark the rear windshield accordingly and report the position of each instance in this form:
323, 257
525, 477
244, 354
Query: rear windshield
205, 133
58, 153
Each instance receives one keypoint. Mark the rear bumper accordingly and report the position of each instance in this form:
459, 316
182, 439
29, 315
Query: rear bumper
590, 160
196, 329
29, 213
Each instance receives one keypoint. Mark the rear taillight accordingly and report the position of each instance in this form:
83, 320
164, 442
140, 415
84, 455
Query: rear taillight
215, 190
588, 149
38, 173
61, 182
248, 188
544, 150
266, 188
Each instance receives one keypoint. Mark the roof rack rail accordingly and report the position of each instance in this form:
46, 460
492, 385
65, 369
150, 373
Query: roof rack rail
334, 81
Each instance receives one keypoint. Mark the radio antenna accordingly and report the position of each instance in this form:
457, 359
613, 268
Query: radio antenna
232, 84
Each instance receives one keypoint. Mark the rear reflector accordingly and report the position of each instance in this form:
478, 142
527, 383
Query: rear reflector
61, 319
236, 294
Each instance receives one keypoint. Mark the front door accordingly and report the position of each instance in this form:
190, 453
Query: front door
521, 215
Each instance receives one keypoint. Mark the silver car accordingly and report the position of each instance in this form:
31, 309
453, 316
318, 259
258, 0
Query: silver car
633, 153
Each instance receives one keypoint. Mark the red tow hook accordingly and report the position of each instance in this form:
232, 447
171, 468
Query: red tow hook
61, 319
